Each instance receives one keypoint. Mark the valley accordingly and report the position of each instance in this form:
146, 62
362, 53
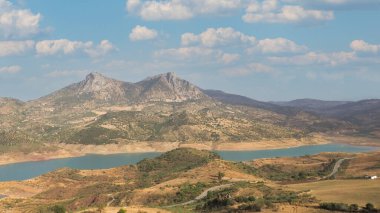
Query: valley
189, 129
181, 175
101, 115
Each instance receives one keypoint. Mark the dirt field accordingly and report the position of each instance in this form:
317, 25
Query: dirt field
131, 209
344, 191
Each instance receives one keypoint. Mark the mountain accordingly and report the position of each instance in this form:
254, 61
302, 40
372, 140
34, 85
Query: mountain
311, 104
9, 105
364, 114
245, 101
168, 88
97, 90
102, 110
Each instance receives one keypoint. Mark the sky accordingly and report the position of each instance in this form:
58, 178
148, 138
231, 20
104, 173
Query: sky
269, 50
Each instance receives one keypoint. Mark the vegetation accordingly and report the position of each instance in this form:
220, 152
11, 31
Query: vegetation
122, 211
188, 192
347, 208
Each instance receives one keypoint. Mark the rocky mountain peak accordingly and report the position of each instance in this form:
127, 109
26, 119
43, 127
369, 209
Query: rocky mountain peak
168, 87
96, 82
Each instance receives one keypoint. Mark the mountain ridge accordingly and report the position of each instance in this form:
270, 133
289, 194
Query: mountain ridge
164, 107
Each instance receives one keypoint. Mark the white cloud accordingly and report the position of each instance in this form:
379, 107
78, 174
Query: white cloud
154, 10
64, 46
228, 58
142, 33
102, 49
10, 69
197, 53
271, 11
332, 59
338, 4
277, 45
217, 36
132, 4
248, 69
51, 47
362, 46
8, 48
17, 22
186, 53
170, 10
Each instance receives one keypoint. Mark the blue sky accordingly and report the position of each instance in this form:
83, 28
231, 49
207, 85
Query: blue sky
271, 50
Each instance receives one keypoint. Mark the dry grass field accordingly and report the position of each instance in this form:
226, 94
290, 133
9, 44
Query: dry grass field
343, 191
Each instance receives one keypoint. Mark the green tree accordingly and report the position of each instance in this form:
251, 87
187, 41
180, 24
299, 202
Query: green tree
220, 175
58, 209
122, 211
354, 208
370, 207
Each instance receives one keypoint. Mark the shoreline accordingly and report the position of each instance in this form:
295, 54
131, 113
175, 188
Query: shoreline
77, 150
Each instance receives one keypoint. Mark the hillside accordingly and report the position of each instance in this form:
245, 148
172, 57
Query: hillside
166, 108
174, 180
364, 115
311, 104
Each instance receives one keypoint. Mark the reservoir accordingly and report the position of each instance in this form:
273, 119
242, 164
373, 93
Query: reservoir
27, 170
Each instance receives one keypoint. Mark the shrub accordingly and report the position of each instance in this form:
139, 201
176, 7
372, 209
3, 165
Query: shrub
243, 199
335, 206
58, 209
369, 207
217, 203
250, 207
220, 175
122, 211
354, 208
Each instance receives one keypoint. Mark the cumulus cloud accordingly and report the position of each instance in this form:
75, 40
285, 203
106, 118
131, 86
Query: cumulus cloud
102, 49
338, 4
51, 47
277, 45
362, 46
271, 11
142, 33
179, 9
10, 69
17, 22
8, 48
217, 36
185, 53
197, 53
247, 69
332, 59
228, 58
65, 46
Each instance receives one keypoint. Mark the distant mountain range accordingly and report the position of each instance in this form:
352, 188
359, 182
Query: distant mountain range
101, 110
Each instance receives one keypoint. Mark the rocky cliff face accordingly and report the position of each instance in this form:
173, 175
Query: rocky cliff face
169, 88
102, 88
99, 89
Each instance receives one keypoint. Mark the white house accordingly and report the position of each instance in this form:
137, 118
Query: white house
373, 177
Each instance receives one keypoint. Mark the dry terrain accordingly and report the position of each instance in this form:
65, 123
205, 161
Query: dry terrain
179, 176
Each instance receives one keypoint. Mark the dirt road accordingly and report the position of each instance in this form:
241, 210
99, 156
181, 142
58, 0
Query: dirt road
204, 194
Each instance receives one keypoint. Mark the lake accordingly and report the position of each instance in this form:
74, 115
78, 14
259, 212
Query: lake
27, 170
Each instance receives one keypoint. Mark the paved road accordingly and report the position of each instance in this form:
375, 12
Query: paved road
336, 167
203, 194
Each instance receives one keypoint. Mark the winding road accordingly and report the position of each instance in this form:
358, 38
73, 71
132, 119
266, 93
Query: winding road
203, 194
336, 167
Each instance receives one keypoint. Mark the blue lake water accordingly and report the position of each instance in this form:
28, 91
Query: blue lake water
27, 170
